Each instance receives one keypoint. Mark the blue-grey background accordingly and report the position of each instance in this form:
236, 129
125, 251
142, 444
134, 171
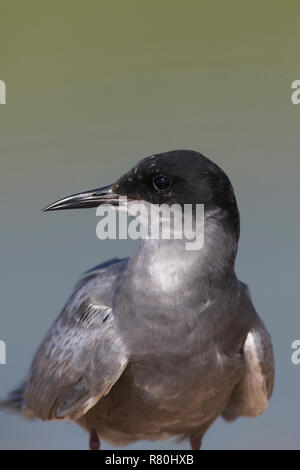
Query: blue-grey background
93, 86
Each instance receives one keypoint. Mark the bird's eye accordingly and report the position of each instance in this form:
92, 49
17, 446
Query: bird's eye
162, 183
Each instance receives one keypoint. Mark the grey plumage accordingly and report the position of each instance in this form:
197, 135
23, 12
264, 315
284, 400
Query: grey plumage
161, 344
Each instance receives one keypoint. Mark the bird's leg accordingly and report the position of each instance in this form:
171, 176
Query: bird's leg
196, 442
94, 440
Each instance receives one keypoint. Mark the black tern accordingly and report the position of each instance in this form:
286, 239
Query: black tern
162, 344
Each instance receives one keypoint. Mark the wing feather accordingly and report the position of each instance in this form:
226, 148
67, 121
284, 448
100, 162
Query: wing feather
83, 354
250, 397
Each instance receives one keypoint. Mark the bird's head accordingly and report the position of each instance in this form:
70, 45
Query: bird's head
175, 177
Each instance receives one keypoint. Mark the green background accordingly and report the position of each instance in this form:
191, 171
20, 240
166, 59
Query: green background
93, 86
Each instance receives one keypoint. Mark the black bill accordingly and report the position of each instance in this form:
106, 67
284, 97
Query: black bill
92, 198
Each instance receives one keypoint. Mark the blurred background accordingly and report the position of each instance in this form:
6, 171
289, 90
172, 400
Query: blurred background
92, 87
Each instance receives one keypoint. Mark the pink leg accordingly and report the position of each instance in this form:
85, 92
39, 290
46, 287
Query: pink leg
196, 442
94, 440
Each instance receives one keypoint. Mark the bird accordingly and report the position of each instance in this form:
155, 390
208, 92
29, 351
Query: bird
161, 344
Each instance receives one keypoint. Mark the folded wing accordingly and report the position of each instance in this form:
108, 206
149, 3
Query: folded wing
83, 354
250, 397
